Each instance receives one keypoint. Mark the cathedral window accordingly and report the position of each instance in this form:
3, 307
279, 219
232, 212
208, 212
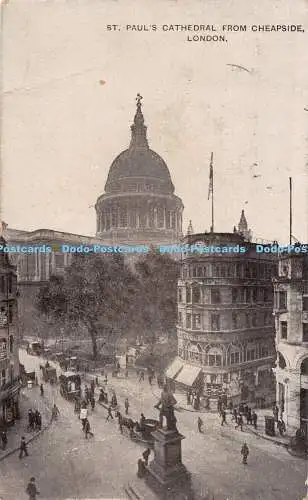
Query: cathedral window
123, 217
196, 296
114, 216
160, 217
235, 358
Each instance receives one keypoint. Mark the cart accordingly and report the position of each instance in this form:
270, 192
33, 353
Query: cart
70, 385
49, 374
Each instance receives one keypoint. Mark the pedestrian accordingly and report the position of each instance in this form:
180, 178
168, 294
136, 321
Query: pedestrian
223, 417
30, 420
37, 420
42, 390
126, 373
120, 421
249, 416
126, 404
254, 418
54, 413
32, 489
239, 422
200, 424
87, 429
83, 416
106, 379
92, 403
114, 401
109, 414
87, 394
92, 388
23, 448
141, 378
188, 398
234, 415
146, 455
77, 407
281, 427
96, 381
245, 453
142, 422
4, 439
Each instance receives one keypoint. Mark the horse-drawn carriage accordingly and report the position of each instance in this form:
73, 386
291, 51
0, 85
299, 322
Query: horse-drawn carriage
70, 385
140, 431
49, 374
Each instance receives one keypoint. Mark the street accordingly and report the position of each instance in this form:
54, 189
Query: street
66, 465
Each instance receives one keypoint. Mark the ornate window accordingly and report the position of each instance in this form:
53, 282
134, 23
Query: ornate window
215, 322
3, 348
188, 320
283, 329
180, 294
215, 296
235, 321
196, 318
188, 295
235, 358
194, 353
214, 357
250, 353
196, 295
234, 295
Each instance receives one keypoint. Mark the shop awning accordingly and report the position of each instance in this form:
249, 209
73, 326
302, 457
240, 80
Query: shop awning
188, 375
174, 369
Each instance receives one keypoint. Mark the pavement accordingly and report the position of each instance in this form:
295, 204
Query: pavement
68, 466
29, 398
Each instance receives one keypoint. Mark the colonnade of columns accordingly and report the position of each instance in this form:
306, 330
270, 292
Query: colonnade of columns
147, 216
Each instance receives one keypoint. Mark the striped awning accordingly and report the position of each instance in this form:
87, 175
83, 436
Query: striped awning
174, 369
188, 375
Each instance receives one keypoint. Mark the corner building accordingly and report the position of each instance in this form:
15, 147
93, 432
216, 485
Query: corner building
291, 322
226, 336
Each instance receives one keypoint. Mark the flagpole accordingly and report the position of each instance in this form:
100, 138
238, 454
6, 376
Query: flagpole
212, 194
290, 187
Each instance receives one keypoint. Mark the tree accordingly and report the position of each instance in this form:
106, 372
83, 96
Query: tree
97, 291
158, 274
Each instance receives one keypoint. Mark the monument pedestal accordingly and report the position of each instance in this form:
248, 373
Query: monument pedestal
166, 474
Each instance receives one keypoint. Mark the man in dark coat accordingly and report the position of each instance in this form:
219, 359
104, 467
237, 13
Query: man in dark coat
23, 448
245, 453
254, 418
223, 417
32, 489
4, 439
200, 424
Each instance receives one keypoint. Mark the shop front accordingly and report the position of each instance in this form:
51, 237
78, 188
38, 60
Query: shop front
9, 404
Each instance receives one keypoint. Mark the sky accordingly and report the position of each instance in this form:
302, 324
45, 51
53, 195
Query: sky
61, 128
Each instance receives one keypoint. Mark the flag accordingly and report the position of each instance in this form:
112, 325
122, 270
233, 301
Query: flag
211, 178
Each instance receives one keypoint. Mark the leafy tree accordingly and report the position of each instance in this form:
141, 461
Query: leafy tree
96, 291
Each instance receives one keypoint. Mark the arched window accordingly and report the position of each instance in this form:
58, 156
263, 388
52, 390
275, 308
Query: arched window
214, 356
304, 367
194, 353
235, 355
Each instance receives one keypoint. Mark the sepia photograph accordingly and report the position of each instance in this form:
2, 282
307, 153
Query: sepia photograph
153, 250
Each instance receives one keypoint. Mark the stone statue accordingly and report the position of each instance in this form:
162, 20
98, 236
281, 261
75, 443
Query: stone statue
166, 409
139, 99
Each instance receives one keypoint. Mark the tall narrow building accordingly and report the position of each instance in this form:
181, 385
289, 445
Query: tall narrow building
9, 361
291, 321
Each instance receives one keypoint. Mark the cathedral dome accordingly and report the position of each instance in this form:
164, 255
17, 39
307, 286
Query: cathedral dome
138, 163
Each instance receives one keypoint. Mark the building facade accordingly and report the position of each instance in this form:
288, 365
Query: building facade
9, 361
225, 323
139, 204
291, 323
